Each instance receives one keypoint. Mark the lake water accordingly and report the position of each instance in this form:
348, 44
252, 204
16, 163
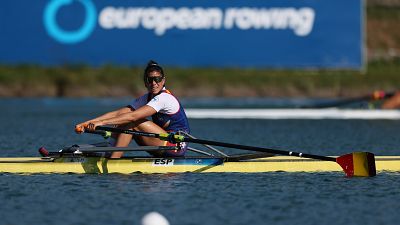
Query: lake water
194, 199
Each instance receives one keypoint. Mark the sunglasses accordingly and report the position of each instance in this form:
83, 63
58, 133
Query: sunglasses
157, 79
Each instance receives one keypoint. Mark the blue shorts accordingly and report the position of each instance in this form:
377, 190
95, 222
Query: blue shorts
172, 153
180, 152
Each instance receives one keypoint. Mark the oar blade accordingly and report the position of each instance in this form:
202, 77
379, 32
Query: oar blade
358, 164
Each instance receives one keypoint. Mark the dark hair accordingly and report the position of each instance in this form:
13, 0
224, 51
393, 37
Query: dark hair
151, 67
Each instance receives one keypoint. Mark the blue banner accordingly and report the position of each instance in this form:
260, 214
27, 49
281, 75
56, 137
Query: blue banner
206, 33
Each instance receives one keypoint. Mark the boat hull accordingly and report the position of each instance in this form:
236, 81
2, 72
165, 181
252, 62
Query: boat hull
99, 165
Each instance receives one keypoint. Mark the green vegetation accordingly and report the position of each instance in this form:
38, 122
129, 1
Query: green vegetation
76, 81
383, 12
382, 72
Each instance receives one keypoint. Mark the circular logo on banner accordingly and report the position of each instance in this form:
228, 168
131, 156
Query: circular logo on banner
69, 37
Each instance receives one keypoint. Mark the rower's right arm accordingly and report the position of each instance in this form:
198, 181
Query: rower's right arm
79, 128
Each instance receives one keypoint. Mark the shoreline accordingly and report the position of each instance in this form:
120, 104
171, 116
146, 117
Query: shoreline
113, 81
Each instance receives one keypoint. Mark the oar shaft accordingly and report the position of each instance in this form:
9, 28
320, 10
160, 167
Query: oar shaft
131, 132
259, 149
339, 102
377, 95
127, 149
103, 133
179, 138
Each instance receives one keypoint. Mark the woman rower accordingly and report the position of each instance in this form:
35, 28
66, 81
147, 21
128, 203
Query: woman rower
393, 102
166, 111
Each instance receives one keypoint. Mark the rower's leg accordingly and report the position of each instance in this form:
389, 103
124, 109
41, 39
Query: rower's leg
123, 140
150, 127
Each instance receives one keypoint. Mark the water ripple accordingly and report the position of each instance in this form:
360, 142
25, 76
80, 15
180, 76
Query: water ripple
194, 199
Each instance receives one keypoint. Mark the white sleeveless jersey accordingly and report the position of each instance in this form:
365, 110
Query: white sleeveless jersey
170, 113
163, 103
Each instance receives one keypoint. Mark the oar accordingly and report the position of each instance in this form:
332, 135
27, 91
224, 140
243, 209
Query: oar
76, 149
353, 164
104, 134
376, 95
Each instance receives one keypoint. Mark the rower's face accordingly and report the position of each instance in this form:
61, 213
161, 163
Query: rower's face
154, 82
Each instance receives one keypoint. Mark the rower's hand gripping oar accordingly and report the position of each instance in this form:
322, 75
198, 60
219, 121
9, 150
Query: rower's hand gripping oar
360, 164
81, 129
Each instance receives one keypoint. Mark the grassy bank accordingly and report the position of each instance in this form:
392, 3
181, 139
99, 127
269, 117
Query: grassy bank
382, 72
106, 81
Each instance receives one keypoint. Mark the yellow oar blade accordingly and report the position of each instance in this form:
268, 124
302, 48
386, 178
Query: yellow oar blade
358, 164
